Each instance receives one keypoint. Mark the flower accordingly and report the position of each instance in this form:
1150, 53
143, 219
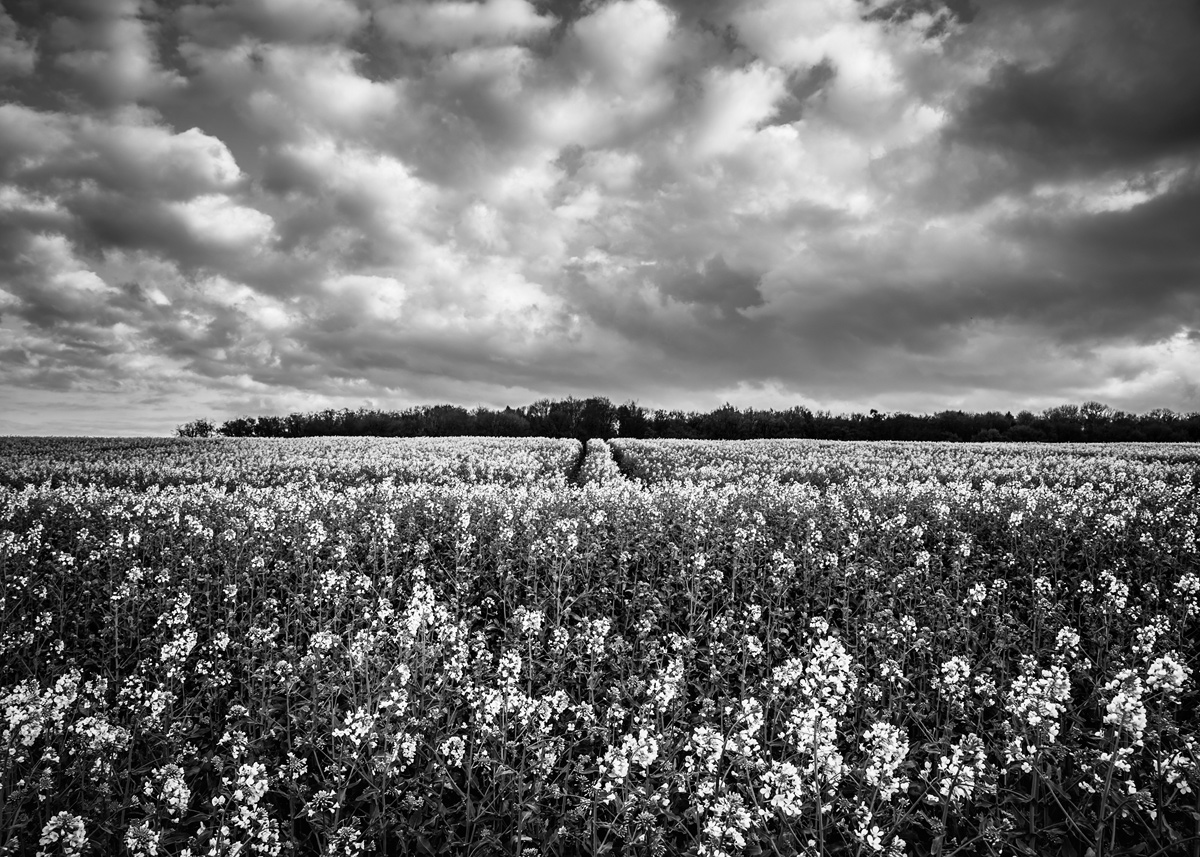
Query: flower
886, 749
1126, 710
962, 769
65, 830
142, 840
1167, 673
453, 748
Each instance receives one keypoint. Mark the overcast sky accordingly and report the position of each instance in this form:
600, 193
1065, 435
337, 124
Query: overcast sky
222, 207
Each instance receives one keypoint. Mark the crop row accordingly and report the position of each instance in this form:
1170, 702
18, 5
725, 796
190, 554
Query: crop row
260, 462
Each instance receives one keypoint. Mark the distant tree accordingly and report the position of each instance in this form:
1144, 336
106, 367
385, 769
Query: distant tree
671, 424
1064, 422
597, 418
990, 435
505, 423
954, 423
448, 421
509, 422
238, 427
197, 428
1095, 411
1022, 433
563, 419
725, 423
631, 420
1095, 417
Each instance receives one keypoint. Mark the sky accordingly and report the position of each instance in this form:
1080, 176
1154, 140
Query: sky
219, 207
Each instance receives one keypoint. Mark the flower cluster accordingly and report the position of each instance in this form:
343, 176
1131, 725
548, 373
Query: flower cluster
1037, 699
886, 748
633, 754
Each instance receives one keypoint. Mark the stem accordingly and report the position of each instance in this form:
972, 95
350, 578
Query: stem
1099, 834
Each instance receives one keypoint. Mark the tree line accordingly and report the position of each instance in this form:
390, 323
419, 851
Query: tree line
598, 417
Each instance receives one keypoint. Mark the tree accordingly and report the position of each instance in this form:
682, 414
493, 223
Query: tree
631, 420
725, 423
1022, 433
990, 435
597, 418
1064, 422
202, 427
1095, 416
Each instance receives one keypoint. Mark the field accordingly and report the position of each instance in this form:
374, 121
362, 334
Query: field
476, 646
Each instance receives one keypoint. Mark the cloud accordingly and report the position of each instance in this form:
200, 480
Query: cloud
125, 180
716, 284
17, 55
130, 153
1083, 89
840, 203
223, 22
736, 103
280, 91
216, 220
64, 290
361, 296
452, 24
625, 42
370, 197
109, 50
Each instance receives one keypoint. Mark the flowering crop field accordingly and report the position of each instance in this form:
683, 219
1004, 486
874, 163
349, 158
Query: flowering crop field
475, 646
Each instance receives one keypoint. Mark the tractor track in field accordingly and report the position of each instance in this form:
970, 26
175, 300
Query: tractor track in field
573, 478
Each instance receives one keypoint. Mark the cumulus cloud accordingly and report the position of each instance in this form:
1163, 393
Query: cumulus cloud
221, 22
452, 24
266, 205
109, 50
131, 154
1085, 88
17, 55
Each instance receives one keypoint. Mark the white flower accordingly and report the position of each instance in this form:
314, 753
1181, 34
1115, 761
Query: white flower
962, 769
1066, 644
142, 841
529, 621
619, 760
1038, 698
866, 831
886, 748
784, 787
1179, 769
172, 791
705, 748
726, 825
453, 748
1167, 673
66, 830
1126, 710
666, 687
955, 679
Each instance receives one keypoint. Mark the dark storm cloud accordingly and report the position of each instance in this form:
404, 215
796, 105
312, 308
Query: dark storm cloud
715, 285
1132, 273
1111, 86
